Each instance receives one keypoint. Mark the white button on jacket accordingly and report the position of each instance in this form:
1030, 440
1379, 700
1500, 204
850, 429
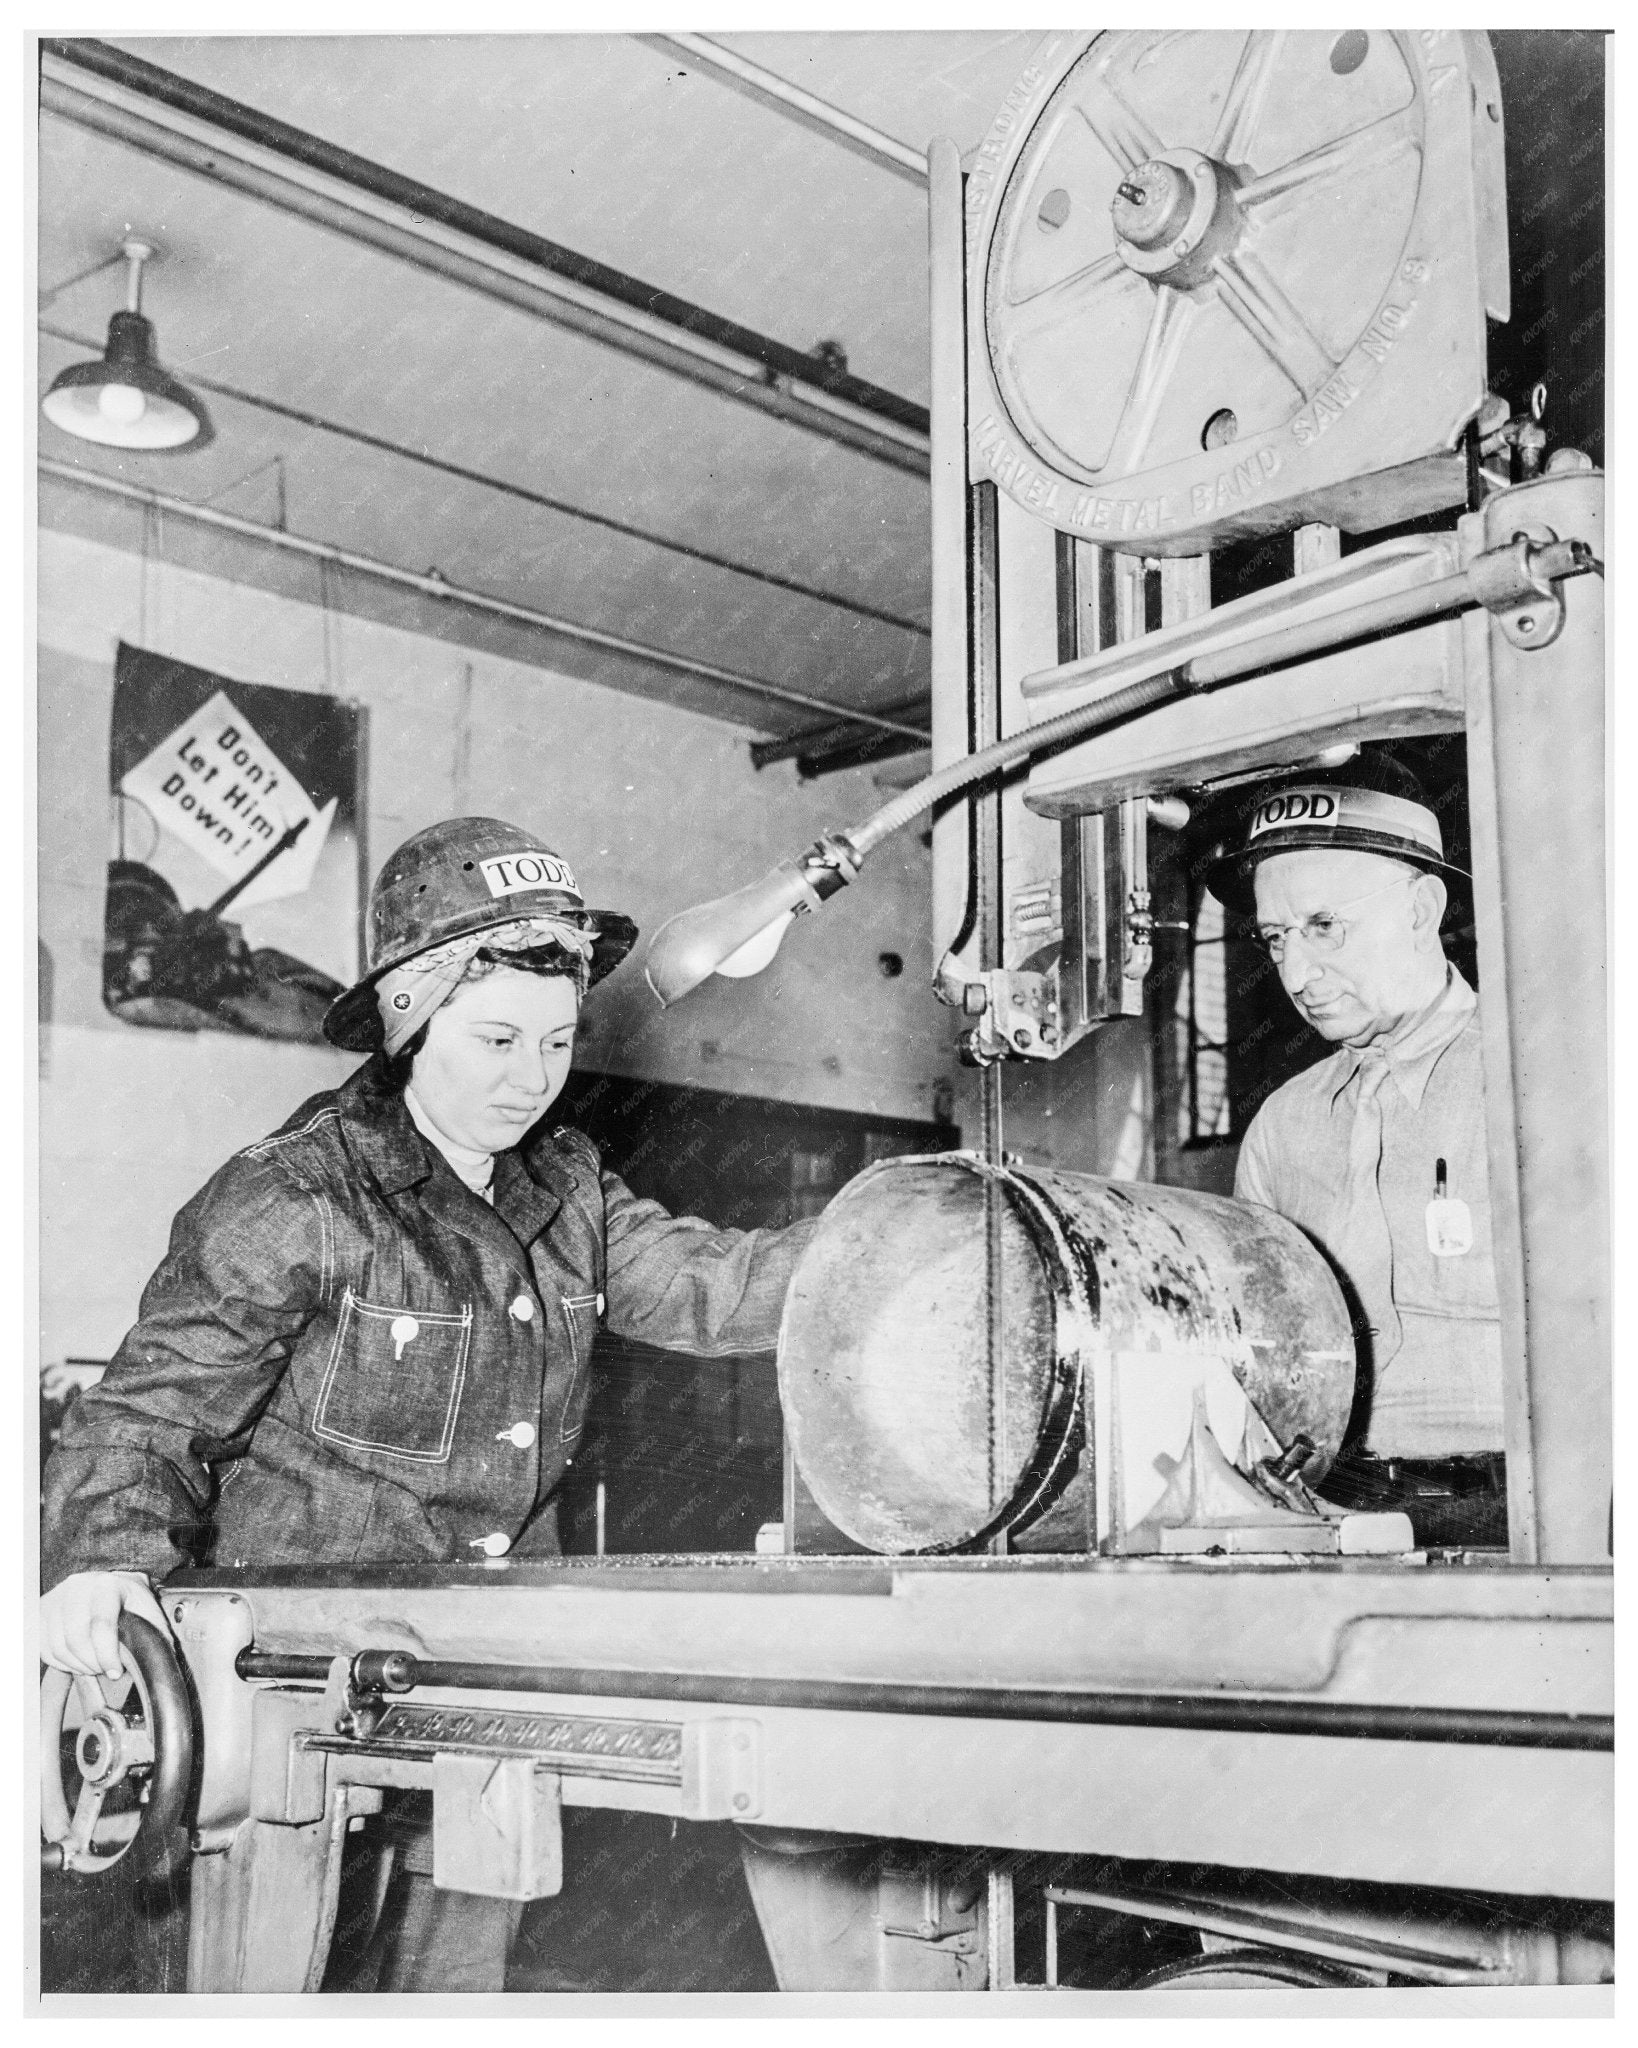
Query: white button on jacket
523, 1309
494, 1545
521, 1435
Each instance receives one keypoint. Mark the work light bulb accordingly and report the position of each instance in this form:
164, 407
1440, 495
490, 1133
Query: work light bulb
738, 935
755, 954
123, 404
735, 935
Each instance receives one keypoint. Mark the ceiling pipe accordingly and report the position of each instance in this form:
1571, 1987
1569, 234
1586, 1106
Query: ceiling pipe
476, 600
423, 458
806, 109
169, 118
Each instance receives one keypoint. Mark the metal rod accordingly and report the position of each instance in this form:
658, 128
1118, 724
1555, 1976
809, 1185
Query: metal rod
136, 254
49, 294
1488, 1727
949, 500
1003, 1963
1196, 653
1371, 619
250, 475
127, 77
444, 467
1168, 669
235, 889
806, 109
169, 118
1276, 1930
995, 1321
477, 600
985, 633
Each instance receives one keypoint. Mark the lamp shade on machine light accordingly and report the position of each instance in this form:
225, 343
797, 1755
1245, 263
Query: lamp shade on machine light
126, 399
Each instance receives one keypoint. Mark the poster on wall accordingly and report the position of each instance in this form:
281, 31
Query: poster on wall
233, 882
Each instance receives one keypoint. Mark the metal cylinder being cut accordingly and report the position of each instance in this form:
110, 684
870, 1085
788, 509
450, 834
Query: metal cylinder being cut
1130, 1317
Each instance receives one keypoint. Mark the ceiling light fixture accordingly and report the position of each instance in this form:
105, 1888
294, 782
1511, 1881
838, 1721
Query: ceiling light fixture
124, 399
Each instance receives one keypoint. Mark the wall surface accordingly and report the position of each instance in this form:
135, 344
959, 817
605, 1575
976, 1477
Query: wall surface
656, 807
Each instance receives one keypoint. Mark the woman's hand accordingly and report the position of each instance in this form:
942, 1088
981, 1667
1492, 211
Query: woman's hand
79, 1620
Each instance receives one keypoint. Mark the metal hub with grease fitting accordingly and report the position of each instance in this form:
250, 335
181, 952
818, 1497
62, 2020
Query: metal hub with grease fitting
1173, 216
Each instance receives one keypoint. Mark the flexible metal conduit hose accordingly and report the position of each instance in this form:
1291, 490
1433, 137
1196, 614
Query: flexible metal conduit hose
749, 923
1084, 720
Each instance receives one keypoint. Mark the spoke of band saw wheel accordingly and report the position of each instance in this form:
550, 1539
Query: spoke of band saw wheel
1151, 381
1125, 135
1252, 294
1347, 157
1243, 103
1065, 299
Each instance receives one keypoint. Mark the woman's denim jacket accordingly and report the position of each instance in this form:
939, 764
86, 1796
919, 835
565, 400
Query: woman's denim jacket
379, 1366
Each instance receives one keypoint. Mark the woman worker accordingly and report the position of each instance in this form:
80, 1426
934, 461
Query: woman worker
368, 1341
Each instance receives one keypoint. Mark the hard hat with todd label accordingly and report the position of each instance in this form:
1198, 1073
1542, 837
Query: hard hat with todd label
1368, 807
458, 880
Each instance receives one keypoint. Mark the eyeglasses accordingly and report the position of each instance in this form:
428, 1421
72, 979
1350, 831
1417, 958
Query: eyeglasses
1324, 931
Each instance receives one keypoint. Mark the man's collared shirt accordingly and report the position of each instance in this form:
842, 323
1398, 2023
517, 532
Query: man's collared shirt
1439, 1393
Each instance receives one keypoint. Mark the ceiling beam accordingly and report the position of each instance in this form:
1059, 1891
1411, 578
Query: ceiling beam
183, 124
806, 109
433, 585
841, 743
423, 458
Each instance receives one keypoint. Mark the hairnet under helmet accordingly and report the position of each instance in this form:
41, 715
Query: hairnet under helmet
458, 878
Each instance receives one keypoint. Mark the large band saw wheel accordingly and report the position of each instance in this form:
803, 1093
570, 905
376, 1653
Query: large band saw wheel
132, 1758
1197, 240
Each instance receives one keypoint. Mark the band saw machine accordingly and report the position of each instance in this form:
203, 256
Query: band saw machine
1061, 1621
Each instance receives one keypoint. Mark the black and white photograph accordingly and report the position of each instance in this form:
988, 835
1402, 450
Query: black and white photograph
819, 1140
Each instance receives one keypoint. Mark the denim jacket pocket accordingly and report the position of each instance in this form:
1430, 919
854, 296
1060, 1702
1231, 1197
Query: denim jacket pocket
581, 1313
393, 1381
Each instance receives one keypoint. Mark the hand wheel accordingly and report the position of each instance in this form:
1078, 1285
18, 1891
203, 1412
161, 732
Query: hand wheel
133, 1757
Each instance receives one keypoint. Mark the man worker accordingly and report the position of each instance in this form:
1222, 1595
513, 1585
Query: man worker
1378, 1152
